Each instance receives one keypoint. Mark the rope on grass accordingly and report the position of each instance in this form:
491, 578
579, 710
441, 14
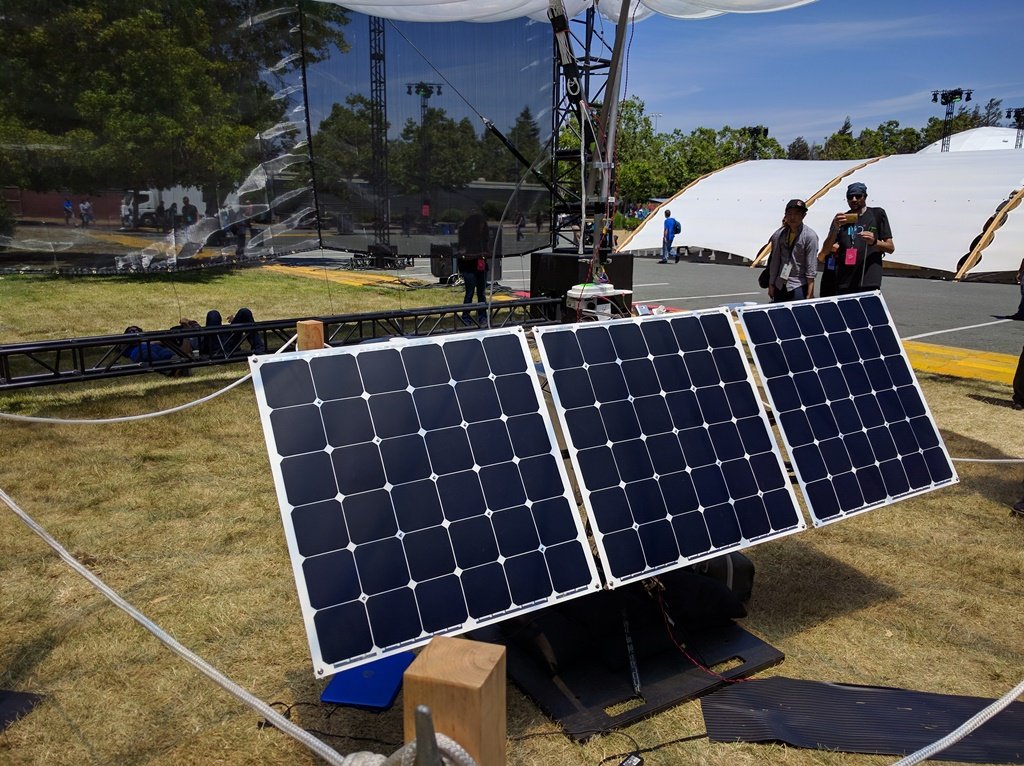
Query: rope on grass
964, 729
143, 416
987, 460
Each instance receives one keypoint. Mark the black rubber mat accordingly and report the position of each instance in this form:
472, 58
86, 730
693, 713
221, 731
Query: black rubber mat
860, 719
14, 705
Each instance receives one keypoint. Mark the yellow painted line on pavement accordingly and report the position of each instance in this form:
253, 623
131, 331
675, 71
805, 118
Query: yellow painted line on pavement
961, 362
352, 278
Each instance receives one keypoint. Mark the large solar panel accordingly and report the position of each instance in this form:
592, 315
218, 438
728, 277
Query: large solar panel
421, 488
670, 443
847, 402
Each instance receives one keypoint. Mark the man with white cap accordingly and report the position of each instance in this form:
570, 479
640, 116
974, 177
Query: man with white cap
864, 237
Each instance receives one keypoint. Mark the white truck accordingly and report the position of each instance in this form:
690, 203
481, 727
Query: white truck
145, 202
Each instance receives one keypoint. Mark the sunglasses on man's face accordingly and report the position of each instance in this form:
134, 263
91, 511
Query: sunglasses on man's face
854, 196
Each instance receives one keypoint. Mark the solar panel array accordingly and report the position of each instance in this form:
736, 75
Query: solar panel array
847, 402
421, 488
670, 443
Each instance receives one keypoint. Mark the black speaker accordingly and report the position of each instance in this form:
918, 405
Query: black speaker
552, 274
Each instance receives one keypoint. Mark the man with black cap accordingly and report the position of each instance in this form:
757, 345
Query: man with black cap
863, 237
794, 259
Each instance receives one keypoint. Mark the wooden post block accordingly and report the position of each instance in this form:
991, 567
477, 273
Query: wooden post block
311, 335
463, 684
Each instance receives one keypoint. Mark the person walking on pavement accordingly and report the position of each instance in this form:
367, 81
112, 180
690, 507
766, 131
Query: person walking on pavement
669, 232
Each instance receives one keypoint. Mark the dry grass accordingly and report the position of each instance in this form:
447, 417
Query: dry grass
178, 514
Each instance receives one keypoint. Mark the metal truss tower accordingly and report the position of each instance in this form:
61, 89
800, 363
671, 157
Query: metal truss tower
379, 134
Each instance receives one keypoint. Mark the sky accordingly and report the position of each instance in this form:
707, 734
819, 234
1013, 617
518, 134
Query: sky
801, 72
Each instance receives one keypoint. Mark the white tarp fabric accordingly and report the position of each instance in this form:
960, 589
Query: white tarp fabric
937, 205
977, 140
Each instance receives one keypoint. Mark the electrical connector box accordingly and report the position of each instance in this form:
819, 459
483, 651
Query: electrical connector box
632, 760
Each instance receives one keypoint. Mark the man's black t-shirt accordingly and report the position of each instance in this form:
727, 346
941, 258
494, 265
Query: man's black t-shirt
865, 273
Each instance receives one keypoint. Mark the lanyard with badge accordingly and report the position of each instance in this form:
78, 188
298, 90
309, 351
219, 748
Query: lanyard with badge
787, 267
851, 232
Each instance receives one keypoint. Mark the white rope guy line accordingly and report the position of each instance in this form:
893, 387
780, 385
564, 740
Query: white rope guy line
143, 416
302, 736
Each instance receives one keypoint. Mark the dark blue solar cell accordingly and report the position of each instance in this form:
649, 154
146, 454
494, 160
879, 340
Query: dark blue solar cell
308, 478
887, 341
567, 565
913, 404
719, 331
710, 485
628, 341
755, 435
917, 470
691, 534
611, 511
831, 318
797, 357
853, 314
871, 485
466, 360
784, 396
812, 467
924, 432
822, 354
632, 460
586, 428
381, 566
437, 407
620, 421
742, 400
834, 383
892, 406
358, 468
335, 376
343, 632
505, 354
856, 379
739, 478
844, 348
405, 459
441, 603
796, 428
938, 465
461, 495
417, 505
759, 327
573, 388
868, 410
486, 590
823, 423
753, 517
866, 345
722, 525
730, 364
666, 455
473, 542
833, 452
529, 435
767, 472
697, 447
562, 350
429, 554
659, 337
515, 531
393, 414
382, 371
555, 520
684, 409
490, 442
823, 500
624, 553
645, 501
319, 527
689, 333
882, 444
874, 310
347, 421
782, 514
370, 516
713, 404
286, 384
331, 579
785, 324
298, 429
596, 345
478, 400
878, 374
701, 366
672, 374
772, 360
449, 450
679, 493
393, 617
541, 477
425, 365
848, 492
652, 415
847, 417
641, 379
895, 478
608, 382
598, 468
659, 543
859, 449
528, 578
503, 486
808, 321
516, 394
808, 388
899, 371
726, 438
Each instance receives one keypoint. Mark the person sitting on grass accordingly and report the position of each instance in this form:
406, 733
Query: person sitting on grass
148, 352
255, 341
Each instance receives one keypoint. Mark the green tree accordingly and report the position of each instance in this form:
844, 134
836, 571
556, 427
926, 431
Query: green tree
798, 149
888, 138
342, 144
841, 145
433, 155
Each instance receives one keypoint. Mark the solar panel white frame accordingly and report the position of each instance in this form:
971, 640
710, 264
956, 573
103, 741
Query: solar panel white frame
890, 339
567, 537
781, 479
